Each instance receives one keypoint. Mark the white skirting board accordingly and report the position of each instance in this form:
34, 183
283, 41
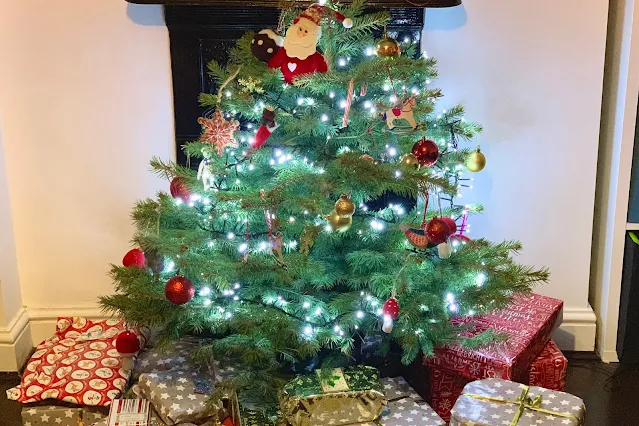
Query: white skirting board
33, 325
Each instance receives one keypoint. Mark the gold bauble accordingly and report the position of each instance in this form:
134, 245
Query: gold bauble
340, 224
388, 47
476, 161
344, 207
409, 160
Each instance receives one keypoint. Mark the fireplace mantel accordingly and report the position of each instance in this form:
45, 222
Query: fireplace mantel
274, 3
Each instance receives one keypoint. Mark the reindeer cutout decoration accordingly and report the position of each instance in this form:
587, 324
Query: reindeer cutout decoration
404, 111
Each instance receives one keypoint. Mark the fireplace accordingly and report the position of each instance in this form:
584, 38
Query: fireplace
202, 30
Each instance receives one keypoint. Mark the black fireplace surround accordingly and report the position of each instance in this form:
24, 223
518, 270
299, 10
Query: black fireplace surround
202, 30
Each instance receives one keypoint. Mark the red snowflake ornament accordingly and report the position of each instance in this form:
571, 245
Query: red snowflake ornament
218, 132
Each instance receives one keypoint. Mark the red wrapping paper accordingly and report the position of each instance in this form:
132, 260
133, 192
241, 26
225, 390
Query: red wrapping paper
528, 321
549, 369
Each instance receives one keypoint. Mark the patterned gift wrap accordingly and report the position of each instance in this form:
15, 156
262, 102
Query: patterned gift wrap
180, 396
51, 415
79, 365
129, 412
350, 395
491, 402
549, 369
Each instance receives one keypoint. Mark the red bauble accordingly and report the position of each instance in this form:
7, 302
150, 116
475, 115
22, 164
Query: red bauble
228, 422
426, 152
436, 231
134, 257
391, 308
127, 343
179, 290
180, 190
457, 240
452, 225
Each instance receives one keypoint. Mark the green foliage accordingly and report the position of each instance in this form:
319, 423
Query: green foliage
269, 313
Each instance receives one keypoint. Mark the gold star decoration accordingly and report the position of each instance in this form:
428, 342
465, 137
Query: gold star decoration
250, 85
218, 132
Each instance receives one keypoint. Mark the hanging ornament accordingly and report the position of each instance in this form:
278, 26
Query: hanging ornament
250, 85
476, 161
426, 152
409, 160
179, 190
299, 55
340, 224
267, 127
344, 207
388, 47
218, 132
266, 44
443, 250
155, 261
368, 158
436, 231
349, 102
204, 171
416, 237
134, 257
402, 111
307, 239
452, 225
179, 290
391, 313
127, 343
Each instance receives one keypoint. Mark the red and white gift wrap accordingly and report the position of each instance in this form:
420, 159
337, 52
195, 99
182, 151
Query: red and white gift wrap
128, 412
79, 364
528, 321
549, 369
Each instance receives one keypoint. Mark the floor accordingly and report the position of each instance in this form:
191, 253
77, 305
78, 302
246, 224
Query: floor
608, 390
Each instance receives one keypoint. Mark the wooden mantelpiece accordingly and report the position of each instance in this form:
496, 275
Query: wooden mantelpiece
274, 3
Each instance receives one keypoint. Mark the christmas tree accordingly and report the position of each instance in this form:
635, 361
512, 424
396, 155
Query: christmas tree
275, 246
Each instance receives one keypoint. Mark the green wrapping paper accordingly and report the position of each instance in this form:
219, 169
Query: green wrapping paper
350, 395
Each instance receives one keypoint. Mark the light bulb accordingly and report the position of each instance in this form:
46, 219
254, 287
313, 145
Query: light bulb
308, 330
306, 305
368, 104
324, 117
205, 291
207, 302
300, 101
318, 311
331, 95
450, 297
242, 248
359, 314
369, 51
230, 235
341, 62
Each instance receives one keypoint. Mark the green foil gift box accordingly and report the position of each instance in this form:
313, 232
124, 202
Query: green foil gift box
346, 396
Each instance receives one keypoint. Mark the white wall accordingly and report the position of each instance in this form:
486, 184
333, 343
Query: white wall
85, 93
531, 73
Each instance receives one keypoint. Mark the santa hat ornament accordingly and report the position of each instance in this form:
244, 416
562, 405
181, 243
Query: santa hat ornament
316, 12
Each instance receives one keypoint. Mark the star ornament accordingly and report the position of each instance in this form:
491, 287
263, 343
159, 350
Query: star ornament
218, 132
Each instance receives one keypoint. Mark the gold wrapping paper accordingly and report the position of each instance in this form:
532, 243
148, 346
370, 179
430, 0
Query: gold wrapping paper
347, 396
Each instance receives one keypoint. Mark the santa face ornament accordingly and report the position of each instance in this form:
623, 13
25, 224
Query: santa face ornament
299, 55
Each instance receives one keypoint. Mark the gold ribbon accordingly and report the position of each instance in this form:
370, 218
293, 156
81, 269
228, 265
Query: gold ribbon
524, 402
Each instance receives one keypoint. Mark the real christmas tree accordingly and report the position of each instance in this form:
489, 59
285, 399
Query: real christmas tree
271, 247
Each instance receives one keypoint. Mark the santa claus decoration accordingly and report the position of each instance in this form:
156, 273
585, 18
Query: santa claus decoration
299, 55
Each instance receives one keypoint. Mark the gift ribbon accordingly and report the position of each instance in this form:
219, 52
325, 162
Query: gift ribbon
524, 402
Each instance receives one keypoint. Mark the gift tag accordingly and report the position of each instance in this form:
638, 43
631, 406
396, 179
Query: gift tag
129, 412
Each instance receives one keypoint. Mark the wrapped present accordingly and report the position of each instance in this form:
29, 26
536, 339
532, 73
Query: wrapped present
153, 359
528, 323
491, 402
129, 412
93, 415
255, 418
181, 396
50, 415
79, 365
405, 407
350, 395
549, 369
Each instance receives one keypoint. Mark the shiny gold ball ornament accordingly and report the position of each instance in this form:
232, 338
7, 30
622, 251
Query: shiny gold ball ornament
388, 47
339, 224
344, 207
409, 160
476, 161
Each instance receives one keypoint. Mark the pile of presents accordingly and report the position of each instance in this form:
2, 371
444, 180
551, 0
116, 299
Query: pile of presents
77, 378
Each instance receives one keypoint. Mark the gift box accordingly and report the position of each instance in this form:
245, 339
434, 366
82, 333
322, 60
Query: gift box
549, 369
345, 396
405, 407
528, 322
491, 402
181, 396
79, 365
51, 415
